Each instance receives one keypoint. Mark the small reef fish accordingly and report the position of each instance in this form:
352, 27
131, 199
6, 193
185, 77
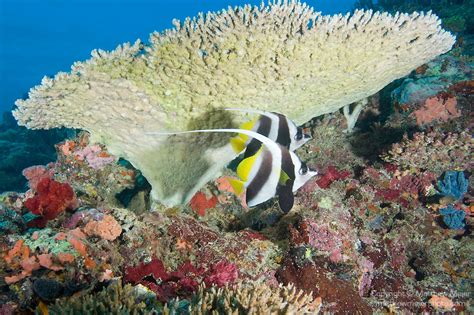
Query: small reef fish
272, 171
275, 126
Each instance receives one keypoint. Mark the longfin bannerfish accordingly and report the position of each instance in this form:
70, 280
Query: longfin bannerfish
275, 126
273, 170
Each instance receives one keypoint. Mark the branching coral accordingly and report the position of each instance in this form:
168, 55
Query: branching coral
253, 298
115, 299
281, 57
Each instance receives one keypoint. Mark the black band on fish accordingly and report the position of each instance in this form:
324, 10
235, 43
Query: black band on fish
261, 177
264, 127
287, 164
283, 131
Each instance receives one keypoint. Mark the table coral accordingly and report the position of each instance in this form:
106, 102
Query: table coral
269, 56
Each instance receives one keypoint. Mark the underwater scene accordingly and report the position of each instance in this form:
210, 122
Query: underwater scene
260, 158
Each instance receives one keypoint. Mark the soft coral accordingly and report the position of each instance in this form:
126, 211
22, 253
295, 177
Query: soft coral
50, 200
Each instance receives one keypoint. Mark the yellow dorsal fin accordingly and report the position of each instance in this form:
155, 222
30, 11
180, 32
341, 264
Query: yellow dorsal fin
237, 185
247, 126
238, 144
244, 168
283, 178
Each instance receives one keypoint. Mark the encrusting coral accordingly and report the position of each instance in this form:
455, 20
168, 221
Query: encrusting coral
280, 57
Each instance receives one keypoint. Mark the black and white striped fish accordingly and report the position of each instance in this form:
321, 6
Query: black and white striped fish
272, 171
275, 126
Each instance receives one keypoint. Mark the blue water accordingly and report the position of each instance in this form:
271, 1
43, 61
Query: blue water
43, 37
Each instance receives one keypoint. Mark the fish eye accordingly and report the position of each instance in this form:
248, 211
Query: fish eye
304, 169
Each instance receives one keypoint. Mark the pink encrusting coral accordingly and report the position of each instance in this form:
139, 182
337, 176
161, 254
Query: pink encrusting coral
95, 156
437, 109
200, 203
34, 174
108, 228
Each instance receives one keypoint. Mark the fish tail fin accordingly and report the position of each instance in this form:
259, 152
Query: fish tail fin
237, 185
238, 144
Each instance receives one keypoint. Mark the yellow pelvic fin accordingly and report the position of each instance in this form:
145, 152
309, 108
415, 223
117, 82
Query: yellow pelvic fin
237, 185
237, 144
283, 178
244, 168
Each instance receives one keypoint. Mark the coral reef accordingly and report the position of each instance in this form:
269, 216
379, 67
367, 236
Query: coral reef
385, 226
269, 56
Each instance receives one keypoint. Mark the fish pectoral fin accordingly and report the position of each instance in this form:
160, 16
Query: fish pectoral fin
238, 144
237, 185
286, 198
283, 178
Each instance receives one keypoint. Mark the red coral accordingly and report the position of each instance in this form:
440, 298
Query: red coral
413, 184
50, 200
154, 268
221, 273
253, 235
331, 175
199, 203
182, 282
387, 194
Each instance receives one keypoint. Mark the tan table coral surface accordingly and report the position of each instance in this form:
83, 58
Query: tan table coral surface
282, 57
